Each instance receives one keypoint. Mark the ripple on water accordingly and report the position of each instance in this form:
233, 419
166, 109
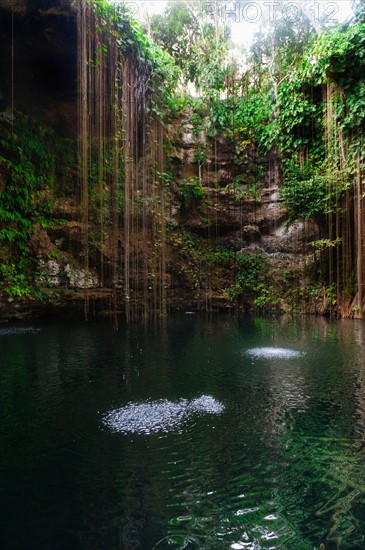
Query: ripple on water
246, 546
274, 353
179, 542
18, 331
158, 416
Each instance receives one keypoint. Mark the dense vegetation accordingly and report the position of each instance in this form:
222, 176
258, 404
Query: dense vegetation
297, 96
301, 94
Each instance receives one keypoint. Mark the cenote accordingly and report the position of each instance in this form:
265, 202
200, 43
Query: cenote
181, 437
159, 164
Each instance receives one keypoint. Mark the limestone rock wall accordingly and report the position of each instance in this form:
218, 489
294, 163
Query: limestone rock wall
226, 203
239, 209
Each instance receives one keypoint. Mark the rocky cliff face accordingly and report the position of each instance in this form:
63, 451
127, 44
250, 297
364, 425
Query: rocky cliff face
218, 209
241, 200
236, 207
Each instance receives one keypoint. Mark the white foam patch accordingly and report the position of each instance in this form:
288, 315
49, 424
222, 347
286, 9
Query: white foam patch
206, 404
158, 416
275, 353
16, 331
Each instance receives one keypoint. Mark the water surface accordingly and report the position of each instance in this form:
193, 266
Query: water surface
201, 433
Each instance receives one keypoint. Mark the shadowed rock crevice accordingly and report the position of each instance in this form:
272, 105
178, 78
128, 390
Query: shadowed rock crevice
38, 62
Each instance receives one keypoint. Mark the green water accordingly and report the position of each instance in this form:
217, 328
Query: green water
186, 435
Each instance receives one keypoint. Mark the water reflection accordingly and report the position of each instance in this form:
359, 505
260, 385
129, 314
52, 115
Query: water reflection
281, 467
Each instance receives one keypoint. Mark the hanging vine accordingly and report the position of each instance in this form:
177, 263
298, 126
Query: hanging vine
121, 157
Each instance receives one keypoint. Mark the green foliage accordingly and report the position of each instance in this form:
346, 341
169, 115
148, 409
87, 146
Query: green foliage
299, 119
244, 191
336, 59
250, 277
29, 164
336, 56
191, 41
191, 191
177, 31
13, 282
354, 113
322, 244
155, 66
176, 104
252, 117
303, 192
332, 54
199, 262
